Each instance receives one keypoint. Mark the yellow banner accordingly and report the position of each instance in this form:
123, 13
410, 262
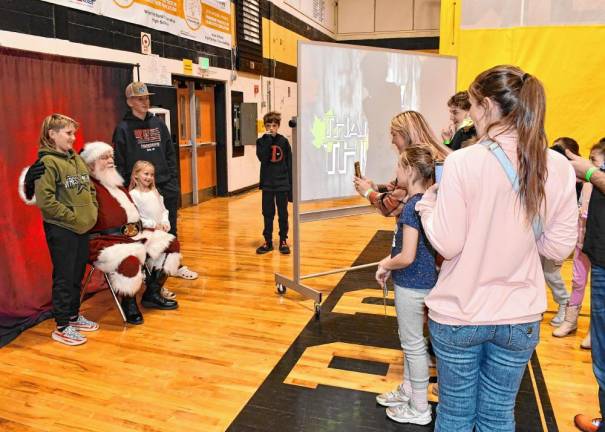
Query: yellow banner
206, 21
216, 19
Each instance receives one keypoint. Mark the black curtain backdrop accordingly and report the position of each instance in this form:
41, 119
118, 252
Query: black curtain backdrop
34, 85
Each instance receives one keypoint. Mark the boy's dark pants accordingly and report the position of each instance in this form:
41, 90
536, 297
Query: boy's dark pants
270, 201
171, 200
69, 254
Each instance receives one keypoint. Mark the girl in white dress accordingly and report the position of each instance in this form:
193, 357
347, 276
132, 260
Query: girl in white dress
149, 202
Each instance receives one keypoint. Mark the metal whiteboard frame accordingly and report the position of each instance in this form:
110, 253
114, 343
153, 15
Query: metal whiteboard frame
295, 283
299, 217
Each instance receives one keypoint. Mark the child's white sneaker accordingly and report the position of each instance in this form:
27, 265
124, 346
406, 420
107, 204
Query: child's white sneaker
393, 398
68, 336
83, 324
408, 414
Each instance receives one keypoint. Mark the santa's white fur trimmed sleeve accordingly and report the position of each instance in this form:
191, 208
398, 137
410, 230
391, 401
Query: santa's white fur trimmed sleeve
157, 241
22, 189
109, 261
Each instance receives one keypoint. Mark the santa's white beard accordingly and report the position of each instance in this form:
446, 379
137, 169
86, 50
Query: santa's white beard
109, 177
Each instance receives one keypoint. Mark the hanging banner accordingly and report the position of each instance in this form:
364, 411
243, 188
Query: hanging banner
206, 21
85, 5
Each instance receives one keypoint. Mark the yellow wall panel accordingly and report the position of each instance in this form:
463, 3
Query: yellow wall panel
449, 27
279, 43
480, 50
566, 59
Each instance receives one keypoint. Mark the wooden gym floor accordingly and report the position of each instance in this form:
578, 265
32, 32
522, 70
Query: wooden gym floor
196, 368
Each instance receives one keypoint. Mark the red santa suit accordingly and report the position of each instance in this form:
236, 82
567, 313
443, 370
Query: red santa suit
121, 256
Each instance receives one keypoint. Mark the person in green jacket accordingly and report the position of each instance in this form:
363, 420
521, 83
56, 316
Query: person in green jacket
66, 198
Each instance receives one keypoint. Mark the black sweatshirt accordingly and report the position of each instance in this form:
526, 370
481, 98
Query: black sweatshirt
275, 156
135, 139
594, 239
463, 134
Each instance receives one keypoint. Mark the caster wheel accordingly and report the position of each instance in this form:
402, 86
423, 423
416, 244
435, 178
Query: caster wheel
317, 310
281, 289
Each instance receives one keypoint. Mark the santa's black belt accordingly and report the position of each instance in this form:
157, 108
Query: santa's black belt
128, 230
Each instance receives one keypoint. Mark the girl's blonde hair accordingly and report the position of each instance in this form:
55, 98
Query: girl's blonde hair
136, 169
414, 129
420, 158
54, 122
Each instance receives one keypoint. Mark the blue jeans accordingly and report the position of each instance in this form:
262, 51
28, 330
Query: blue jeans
597, 331
480, 368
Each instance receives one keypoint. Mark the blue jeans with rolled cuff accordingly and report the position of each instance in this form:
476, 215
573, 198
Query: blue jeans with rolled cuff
480, 368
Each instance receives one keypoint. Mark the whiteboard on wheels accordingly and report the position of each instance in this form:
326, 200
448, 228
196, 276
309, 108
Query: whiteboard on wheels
347, 96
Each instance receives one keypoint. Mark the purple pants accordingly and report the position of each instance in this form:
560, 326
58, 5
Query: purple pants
581, 268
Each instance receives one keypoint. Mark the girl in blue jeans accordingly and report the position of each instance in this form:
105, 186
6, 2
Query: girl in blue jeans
501, 203
412, 267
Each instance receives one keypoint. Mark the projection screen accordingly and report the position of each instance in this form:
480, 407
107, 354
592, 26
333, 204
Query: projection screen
347, 96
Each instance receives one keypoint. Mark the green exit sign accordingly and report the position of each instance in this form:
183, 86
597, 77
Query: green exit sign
204, 63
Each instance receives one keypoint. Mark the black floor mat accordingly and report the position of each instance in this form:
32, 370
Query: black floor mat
296, 406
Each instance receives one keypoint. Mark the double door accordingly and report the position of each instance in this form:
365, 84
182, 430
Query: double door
197, 141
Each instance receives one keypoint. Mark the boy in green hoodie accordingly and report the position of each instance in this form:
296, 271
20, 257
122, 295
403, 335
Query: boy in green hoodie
67, 200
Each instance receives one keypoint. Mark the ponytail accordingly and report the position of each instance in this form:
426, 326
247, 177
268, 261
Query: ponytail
531, 150
522, 102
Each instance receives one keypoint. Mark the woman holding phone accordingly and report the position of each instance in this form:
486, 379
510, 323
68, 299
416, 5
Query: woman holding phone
486, 307
407, 128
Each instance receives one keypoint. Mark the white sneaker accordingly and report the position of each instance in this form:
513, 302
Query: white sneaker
83, 324
409, 414
393, 398
559, 317
68, 336
184, 273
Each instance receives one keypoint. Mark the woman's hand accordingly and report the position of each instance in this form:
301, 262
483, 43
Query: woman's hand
362, 185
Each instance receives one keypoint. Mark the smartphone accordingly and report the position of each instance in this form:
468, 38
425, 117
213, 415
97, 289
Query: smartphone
438, 171
357, 169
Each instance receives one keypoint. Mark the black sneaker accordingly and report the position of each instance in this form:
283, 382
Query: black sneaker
284, 248
265, 248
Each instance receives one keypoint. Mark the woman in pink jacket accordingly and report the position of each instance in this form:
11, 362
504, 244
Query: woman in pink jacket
486, 307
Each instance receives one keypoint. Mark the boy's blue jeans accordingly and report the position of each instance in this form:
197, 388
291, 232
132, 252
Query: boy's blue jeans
480, 368
597, 331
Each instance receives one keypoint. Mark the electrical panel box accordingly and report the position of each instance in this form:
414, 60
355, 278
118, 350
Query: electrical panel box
248, 115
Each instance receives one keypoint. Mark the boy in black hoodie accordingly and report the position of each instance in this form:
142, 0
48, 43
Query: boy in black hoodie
143, 136
275, 155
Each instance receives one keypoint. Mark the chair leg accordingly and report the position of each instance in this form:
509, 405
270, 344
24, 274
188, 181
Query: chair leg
115, 297
92, 270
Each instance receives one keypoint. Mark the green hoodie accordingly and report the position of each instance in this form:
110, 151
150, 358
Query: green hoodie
64, 193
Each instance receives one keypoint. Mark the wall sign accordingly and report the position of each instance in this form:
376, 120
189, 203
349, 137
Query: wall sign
206, 21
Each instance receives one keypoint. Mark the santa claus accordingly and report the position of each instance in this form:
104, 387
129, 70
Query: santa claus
119, 246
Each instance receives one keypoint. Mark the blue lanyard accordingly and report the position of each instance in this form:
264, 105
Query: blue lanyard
509, 169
